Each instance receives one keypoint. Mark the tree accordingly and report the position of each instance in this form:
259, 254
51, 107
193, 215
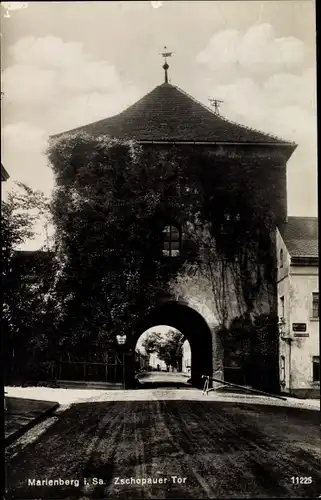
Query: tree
152, 342
170, 349
24, 281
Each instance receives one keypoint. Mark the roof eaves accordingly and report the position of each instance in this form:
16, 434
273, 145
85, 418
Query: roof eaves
225, 143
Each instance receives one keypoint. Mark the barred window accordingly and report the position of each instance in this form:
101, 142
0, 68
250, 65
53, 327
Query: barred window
171, 241
315, 305
316, 368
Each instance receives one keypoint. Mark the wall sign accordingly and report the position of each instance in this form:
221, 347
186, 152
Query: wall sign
299, 327
301, 335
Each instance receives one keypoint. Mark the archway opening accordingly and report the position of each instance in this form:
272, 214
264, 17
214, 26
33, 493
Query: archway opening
163, 358
191, 325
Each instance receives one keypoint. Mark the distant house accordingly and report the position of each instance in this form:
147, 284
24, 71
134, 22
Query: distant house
4, 174
298, 306
186, 360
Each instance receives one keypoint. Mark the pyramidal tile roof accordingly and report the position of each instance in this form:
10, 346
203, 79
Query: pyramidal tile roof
300, 234
167, 113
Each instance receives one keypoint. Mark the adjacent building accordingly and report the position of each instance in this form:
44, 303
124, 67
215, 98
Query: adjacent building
187, 357
298, 306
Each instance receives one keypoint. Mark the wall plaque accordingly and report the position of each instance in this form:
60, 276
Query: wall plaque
299, 327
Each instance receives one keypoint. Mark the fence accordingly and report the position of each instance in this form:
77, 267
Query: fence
86, 371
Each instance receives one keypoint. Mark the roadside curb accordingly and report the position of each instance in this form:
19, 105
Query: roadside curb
25, 428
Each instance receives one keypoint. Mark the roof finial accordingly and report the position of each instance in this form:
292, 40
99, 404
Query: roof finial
216, 103
166, 66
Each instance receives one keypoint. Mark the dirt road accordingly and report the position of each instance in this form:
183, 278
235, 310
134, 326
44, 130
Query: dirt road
185, 449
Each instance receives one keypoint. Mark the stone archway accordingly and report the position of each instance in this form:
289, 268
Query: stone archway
191, 324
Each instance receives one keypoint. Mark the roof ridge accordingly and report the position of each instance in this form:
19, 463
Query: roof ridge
223, 118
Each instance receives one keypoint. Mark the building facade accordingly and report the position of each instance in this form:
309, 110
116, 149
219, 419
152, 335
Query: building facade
298, 306
168, 120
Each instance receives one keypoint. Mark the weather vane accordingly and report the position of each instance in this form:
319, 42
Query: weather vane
166, 66
216, 104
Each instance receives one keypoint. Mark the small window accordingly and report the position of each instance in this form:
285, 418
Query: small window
282, 369
315, 305
281, 258
316, 368
282, 307
171, 241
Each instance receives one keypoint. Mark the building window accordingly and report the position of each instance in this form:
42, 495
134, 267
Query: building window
171, 241
282, 369
282, 307
281, 258
316, 368
315, 305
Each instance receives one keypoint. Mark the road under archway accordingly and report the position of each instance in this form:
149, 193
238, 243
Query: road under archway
191, 324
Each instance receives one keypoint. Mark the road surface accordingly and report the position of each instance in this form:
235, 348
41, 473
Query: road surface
163, 379
185, 449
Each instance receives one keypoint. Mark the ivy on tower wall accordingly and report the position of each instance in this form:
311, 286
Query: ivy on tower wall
111, 203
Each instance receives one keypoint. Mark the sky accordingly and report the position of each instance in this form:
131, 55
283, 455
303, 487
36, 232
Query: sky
65, 64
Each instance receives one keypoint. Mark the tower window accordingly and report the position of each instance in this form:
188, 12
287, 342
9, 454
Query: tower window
282, 307
171, 241
281, 258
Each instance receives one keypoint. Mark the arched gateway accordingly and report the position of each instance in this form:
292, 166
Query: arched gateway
191, 324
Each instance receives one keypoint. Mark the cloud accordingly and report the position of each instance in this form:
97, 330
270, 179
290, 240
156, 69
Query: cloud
48, 52
258, 51
55, 76
23, 147
284, 104
265, 84
22, 83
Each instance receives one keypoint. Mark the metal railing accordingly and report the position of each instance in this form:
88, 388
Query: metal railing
87, 371
207, 388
